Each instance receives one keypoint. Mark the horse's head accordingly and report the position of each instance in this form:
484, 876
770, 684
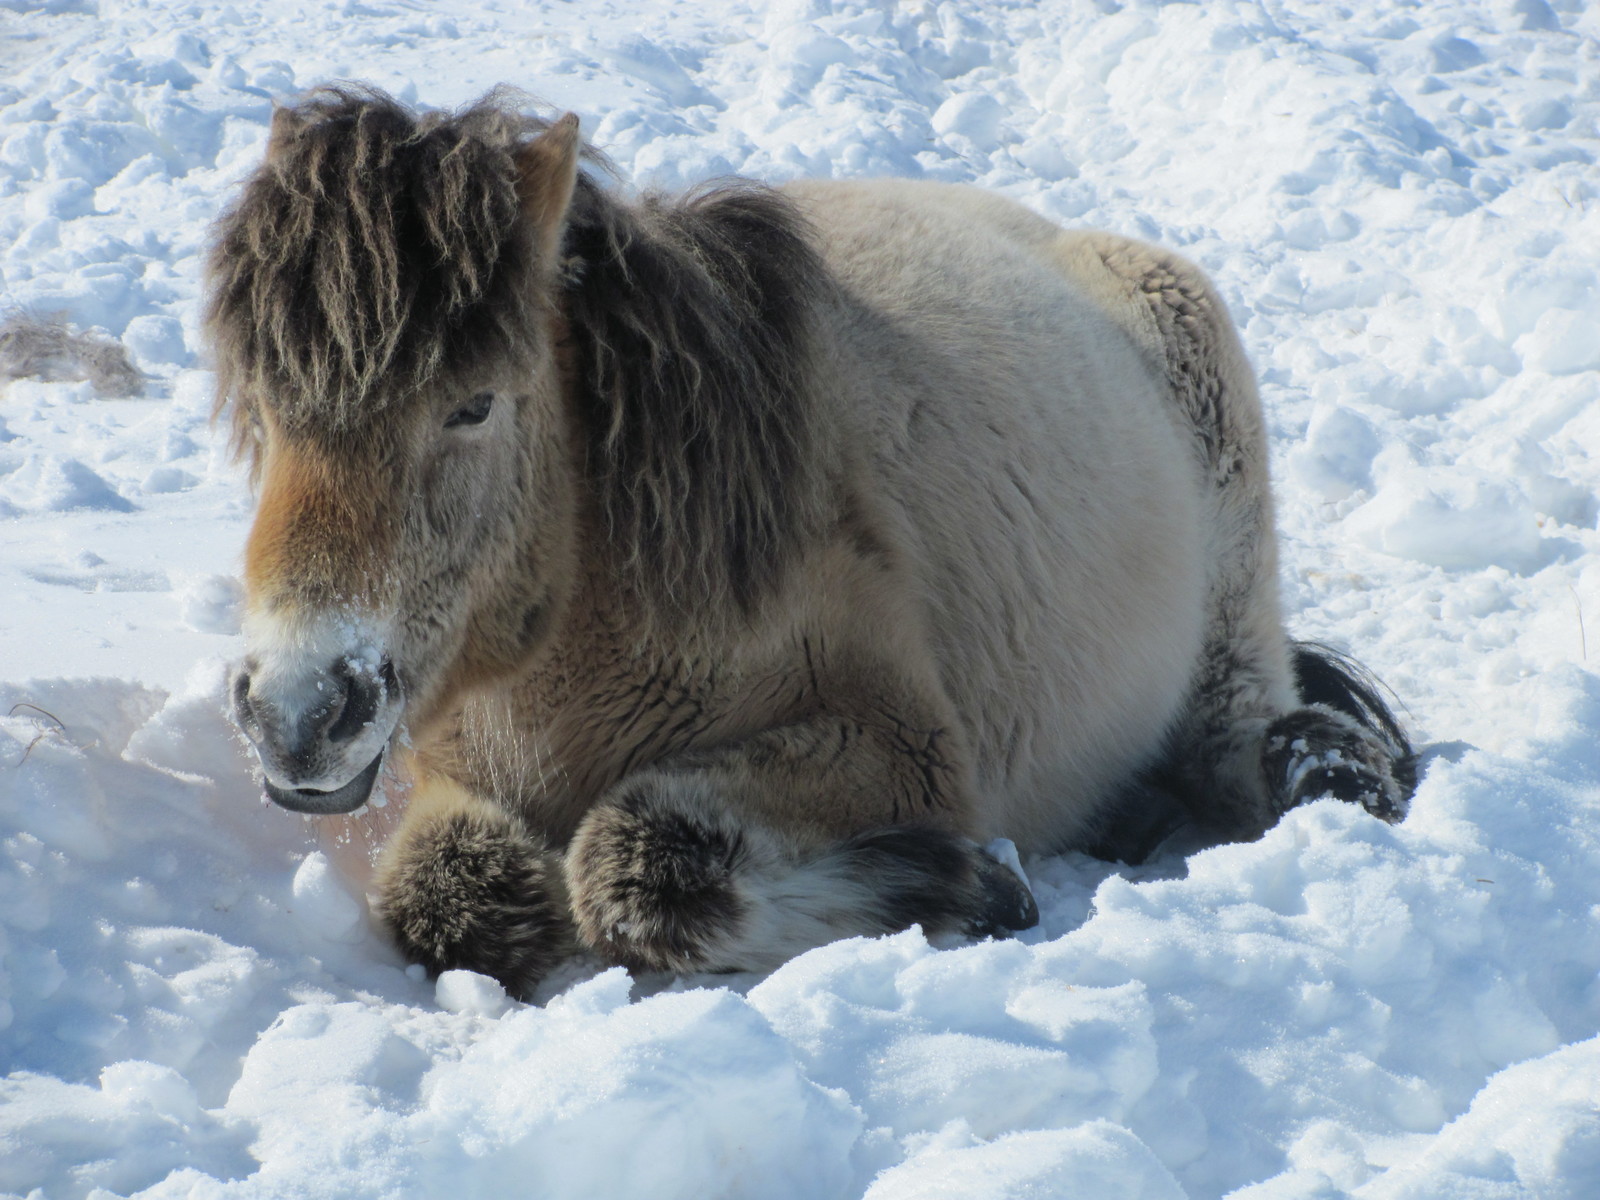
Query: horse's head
381, 308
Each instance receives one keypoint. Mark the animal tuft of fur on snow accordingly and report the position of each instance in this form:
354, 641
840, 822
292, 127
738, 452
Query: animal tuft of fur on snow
46, 347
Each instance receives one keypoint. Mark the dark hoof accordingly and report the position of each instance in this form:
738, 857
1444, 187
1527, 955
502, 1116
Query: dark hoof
1004, 903
930, 877
1349, 782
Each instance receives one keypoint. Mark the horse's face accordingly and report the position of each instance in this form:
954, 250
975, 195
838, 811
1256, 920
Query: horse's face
396, 563
391, 570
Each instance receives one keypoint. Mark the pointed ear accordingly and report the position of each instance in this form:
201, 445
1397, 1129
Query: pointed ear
547, 171
285, 121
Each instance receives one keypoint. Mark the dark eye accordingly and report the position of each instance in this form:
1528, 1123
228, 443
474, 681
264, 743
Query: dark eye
473, 412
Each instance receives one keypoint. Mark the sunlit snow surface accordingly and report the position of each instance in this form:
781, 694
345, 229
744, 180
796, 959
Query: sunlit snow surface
1401, 205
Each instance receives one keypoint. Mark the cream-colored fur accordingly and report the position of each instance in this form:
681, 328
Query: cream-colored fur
1034, 548
1033, 568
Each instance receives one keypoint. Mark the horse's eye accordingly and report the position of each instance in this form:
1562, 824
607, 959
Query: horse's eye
473, 412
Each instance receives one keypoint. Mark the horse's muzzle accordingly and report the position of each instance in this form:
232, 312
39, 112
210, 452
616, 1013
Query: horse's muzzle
341, 800
320, 735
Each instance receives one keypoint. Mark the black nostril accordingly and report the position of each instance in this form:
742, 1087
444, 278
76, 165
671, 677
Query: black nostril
363, 693
243, 710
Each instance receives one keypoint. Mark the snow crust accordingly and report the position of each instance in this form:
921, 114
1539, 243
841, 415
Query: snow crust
1399, 202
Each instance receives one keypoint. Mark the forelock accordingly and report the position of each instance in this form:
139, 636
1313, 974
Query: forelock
374, 249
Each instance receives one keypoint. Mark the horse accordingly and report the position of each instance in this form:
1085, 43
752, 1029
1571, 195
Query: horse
727, 569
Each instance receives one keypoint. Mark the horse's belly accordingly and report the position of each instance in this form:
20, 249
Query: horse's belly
1038, 470
1068, 615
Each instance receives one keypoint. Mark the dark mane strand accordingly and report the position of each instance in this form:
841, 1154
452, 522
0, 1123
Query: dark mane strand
371, 251
692, 320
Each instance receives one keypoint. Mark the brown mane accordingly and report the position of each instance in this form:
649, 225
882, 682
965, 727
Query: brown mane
371, 250
378, 249
692, 321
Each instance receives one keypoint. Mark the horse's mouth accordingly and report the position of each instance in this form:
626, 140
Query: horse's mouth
344, 799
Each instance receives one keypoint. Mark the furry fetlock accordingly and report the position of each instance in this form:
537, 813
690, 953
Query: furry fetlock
1318, 751
652, 877
664, 876
471, 889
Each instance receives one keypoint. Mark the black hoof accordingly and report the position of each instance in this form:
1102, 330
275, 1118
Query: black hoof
1005, 905
930, 877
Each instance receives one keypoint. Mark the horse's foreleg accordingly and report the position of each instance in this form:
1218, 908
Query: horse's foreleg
736, 860
464, 885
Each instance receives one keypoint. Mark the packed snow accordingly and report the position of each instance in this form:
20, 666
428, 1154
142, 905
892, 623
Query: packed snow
1399, 201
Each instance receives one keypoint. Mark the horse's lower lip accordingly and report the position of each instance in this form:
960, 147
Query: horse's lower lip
341, 800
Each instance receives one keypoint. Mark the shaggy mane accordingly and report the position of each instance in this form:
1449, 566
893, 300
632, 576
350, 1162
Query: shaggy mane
371, 251
376, 249
692, 322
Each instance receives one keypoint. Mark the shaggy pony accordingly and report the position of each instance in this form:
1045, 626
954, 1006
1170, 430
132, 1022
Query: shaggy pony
739, 562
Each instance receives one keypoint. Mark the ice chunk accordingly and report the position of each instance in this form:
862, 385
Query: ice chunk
1335, 460
64, 484
1450, 518
1095, 1159
321, 903
1450, 53
975, 116
470, 992
213, 604
1563, 342
156, 341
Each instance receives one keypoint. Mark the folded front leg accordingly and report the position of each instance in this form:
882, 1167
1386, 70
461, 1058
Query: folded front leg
465, 885
669, 873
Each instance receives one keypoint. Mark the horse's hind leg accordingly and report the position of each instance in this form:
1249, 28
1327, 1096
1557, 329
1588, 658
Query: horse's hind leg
689, 867
1345, 742
464, 885
1267, 725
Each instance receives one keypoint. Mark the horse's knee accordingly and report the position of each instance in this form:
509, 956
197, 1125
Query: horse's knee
465, 886
653, 875
1318, 751
663, 875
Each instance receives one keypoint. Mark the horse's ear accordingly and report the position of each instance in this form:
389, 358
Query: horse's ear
285, 120
547, 171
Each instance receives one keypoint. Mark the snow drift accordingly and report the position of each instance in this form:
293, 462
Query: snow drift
1399, 203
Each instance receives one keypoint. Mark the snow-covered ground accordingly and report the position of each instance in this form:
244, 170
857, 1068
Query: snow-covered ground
1399, 200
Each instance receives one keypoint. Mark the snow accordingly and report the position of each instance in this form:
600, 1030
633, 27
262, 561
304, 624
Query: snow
1399, 202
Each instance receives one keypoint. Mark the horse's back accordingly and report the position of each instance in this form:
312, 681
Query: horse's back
1025, 449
